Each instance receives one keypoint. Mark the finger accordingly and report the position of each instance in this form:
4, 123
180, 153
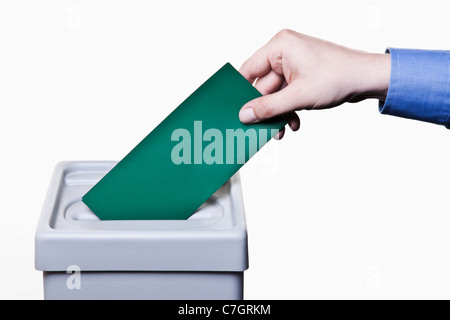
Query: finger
269, 83
270, 105
256, 66
280, 134
293, 121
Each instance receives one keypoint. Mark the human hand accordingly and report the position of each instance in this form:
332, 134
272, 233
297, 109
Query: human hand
296, 72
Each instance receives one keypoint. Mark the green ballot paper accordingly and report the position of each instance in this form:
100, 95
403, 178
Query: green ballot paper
187, 157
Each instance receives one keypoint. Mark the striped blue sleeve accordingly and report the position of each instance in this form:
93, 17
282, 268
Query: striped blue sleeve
419, 86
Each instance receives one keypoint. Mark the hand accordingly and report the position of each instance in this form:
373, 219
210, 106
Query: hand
296, 72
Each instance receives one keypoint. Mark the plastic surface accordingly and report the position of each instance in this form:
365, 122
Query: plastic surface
68, 233
149, 184
145, 285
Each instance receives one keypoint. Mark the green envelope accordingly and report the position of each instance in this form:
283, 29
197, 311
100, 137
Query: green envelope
187, 157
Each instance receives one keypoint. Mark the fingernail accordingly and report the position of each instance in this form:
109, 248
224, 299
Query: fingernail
279, 135
247, 116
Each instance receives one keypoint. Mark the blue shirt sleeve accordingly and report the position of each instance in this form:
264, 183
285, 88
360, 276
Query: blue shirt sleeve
419, 86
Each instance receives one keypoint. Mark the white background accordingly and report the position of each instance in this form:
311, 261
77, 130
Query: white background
355, 205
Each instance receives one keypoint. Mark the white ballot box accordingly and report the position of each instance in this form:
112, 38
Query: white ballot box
82, 257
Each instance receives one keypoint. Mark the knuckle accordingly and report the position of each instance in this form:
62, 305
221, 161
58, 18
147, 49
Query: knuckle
266, 109
284, 33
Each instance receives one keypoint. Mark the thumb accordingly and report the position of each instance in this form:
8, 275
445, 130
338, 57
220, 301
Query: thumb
270, 105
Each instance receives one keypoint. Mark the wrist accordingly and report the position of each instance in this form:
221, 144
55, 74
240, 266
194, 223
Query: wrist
376, 76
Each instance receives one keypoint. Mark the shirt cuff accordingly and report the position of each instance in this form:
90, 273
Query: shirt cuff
419, 86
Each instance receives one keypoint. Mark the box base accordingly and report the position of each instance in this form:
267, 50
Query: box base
143, 285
